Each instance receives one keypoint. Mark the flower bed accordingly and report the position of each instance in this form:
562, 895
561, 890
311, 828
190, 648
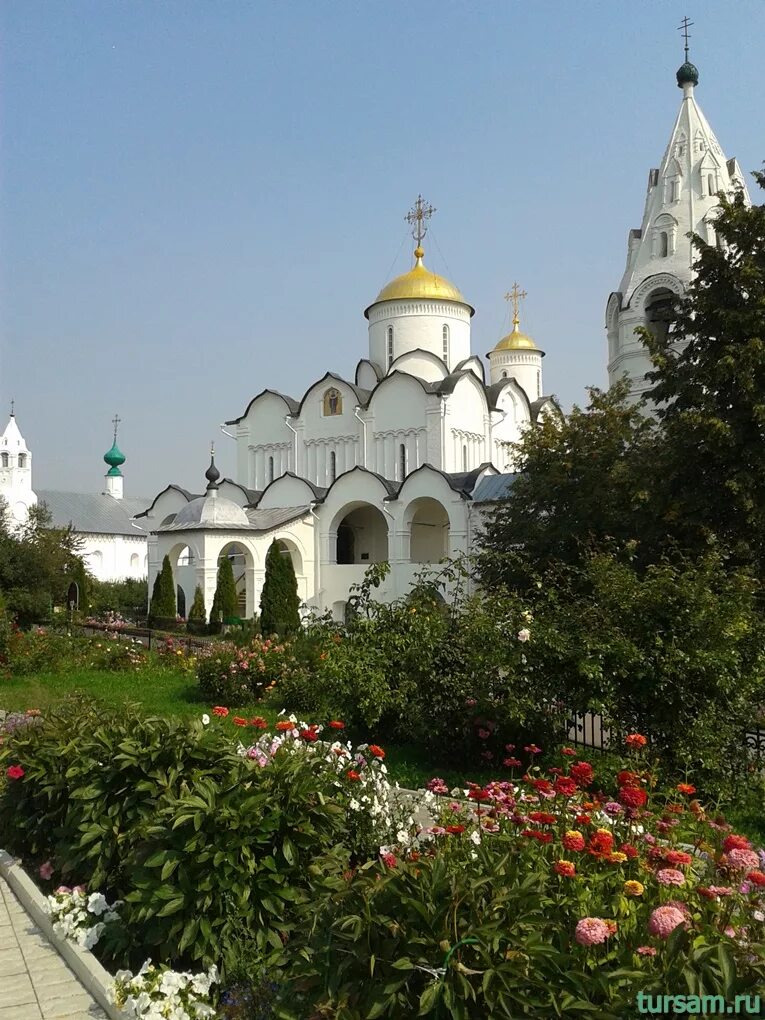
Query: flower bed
282, 858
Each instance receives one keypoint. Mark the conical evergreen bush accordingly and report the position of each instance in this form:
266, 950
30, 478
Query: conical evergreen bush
163, 604
279, 601
225, 604
197, 618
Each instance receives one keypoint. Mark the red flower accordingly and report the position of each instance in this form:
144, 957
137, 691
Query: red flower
221, 711
568, 751
756, 878
353, 775
632, 797
337, 725
687, 788
734, 842
566, 786
283, 725
239, 721
631, 851
388, 860
582, 772
512, 763
310, 735
583, 819
538, 835
675, 857
478, 794
573, 840
455, 830
636, 740
601, 843
259, 723
543, 818
541, 785
532, 749
565, 868
376, 751
15, 772
627, 778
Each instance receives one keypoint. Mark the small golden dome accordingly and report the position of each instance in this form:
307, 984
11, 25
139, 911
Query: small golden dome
516, 341
419, 283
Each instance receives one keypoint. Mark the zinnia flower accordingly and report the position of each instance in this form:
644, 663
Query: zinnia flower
734, 842
582, 772
573, 840
512, 763
756, 878
564, 868
376, 751
455, 830
283, 725
633, 888
670, 876
221, 711
259, 723
353, 775
686, 788
632, 797
335, 724
743, 860
565, 786
646, 951
532, 749
239, 721
664, 920
45, 870
591, 931
675, 857
15, 772
568, 751
636, 740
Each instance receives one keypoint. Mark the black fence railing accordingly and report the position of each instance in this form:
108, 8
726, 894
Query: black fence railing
587, 729
144, 635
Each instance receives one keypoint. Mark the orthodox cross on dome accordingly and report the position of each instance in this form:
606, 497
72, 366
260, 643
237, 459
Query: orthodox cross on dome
683, 27
116, 420
416, 218
516, 295
13, 405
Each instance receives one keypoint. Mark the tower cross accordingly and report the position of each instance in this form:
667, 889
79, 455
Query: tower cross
115, 422
684, 26
13, 405
416, 217
516, 295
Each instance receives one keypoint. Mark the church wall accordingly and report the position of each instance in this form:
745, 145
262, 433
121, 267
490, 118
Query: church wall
115, 557
422, 366
397, 416
323, 433
261, 436
467, 426
286, 491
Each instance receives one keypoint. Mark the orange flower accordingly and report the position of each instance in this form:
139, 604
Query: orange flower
636, 740
239, 721
259, 723
376, 751
686, 788
565, 868
219, 710
353, 775
337, 725
283, 725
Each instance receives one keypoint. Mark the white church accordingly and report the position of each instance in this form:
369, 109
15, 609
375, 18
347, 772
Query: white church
396, 462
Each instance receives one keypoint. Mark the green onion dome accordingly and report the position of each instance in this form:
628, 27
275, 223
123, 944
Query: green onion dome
687, 74
114, 458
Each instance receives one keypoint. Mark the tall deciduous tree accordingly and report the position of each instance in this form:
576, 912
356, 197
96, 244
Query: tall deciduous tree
583, 484
225, 603
711, 396
279, 601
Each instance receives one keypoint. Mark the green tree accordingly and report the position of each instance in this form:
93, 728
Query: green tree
279, 601
583, 483
710, 397
197, 611
225, 603
163, 604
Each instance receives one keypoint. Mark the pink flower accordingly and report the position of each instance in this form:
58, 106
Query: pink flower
670, 876
45, 871
484, 734
646, 951
17, 772
61, 890
664, 920
743, 860
591, 931
389, 860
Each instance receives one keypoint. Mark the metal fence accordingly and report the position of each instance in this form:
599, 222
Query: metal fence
587, 729
144, 635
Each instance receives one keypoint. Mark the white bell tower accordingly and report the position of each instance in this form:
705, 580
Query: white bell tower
16, 473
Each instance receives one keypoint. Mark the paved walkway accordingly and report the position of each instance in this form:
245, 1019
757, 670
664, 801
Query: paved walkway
35, 983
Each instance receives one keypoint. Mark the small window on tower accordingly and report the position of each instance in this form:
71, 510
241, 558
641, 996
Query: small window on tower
332, 466
710, 184
663, 244
445, 337
270, 469
22, 460
4, 460
401, 462
504, 375
390, 346
675, 191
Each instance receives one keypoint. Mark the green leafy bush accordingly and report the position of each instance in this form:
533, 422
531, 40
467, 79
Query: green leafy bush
231, 674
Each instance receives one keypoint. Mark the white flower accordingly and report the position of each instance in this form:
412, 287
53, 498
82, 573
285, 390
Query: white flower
205, 719
524, 634
97, 903
475, 837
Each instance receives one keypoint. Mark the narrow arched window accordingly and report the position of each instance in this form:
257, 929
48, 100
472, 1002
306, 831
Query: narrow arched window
401, 462
4, 460
390, 346
711, 184
332, 466
464, 458
445, 339
663, 244
270, 469
675, 191
504, 375
539, 383
22, 460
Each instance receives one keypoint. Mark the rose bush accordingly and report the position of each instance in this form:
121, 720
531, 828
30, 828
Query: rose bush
234, 675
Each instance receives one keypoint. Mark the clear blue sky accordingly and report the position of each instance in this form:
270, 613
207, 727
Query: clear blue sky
199, 197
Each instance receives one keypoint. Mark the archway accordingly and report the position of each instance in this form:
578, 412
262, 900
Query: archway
180, 601
362, 535
242, 564
659, 311
428, 531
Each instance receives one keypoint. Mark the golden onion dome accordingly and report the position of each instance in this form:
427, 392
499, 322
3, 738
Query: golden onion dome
516, 341
419, 283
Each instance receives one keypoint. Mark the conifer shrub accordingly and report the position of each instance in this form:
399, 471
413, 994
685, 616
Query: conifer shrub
162, 610
197, 619
225, 603
279, 601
